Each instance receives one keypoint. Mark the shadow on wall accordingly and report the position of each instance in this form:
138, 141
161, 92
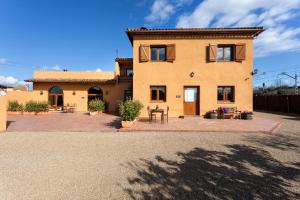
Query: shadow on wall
245, 172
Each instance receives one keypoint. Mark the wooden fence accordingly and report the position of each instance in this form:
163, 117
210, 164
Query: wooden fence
278, 103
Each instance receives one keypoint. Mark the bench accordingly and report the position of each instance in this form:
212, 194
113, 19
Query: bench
230, 112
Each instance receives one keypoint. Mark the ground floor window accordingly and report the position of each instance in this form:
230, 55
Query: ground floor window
158, 93
226, 93
55, 98
127, 95
95, 93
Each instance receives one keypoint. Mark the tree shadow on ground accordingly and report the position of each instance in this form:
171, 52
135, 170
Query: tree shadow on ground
278, 141
240, 172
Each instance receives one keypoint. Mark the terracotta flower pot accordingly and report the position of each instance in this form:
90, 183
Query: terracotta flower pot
247, 116
14, 112
93, 113
127, 124
28, 113
213, 115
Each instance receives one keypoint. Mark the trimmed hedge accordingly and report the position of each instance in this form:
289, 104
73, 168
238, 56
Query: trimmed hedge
34, 106
14, 106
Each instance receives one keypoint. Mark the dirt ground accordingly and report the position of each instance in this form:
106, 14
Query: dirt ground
149, 165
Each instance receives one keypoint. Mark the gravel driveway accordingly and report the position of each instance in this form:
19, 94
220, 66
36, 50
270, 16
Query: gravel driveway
152, 165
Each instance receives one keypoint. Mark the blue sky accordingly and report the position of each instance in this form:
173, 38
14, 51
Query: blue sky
84, 35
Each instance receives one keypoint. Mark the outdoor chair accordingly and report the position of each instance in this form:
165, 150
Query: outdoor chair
151, 115
166, 115
230, 112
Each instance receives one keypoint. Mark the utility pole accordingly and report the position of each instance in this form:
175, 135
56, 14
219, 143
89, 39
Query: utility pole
293, 77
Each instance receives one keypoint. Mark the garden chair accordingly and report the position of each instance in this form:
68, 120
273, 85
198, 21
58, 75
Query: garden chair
166, 115
151, 115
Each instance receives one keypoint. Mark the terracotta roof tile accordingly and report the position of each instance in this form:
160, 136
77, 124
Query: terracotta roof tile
46, 80
245, 31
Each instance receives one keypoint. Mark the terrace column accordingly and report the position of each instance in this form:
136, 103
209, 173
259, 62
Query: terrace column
3, 113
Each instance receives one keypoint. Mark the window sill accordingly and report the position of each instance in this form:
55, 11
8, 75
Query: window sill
157, 101
158, 61
225, 102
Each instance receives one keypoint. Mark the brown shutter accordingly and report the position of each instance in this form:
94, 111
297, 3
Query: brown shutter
240, 52
171, 52
212, 53
144, 53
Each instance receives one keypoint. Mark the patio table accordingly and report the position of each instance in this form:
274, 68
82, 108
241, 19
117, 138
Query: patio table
159, 110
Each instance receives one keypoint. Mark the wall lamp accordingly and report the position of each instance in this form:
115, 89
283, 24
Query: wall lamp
41, 92
192, 74
74, 93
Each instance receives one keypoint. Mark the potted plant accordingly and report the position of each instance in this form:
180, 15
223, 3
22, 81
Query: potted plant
129, 111
247, 115
14, 108
212, 114
41, 108
30, 108
96, 106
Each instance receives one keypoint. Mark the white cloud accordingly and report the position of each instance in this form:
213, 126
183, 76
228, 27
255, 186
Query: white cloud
56, 67
8, 80
3, 61
271, 14
162, 10
96, 70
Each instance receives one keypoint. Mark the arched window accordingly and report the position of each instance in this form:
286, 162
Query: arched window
95, 93
56, 98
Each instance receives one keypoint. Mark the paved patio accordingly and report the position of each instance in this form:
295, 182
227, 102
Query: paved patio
66, 122
82, 122
197, 124
152, 165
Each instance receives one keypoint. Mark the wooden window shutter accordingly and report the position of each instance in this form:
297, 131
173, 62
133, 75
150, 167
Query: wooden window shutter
144, 53
171, 52
212, 53
240, 52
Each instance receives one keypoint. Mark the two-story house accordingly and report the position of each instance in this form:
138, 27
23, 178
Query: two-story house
190, 70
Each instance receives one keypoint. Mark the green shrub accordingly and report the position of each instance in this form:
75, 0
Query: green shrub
129, 110
34, 106
31, 106
41, 107
14, 106
96, 105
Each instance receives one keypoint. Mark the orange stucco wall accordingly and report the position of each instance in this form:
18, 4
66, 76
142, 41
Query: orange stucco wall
24, 96
112, 93
191, 57
2, 113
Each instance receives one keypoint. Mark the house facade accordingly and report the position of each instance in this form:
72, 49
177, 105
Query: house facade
189, 70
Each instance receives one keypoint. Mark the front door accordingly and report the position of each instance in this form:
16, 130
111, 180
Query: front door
191, 101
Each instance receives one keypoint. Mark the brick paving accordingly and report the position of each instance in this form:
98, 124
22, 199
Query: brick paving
82, 122
64, 122
197, 124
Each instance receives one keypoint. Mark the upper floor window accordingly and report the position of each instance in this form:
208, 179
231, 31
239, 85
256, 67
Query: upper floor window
158, 93
226, 93
224, 53
129, 72
158, 53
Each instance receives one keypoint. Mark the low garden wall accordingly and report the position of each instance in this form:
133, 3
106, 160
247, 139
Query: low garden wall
2, 113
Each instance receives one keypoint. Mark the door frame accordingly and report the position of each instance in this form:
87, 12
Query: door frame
197, 101
55, 107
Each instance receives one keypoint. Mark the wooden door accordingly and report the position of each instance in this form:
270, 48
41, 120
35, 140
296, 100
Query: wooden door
191, 100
